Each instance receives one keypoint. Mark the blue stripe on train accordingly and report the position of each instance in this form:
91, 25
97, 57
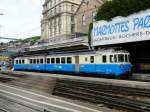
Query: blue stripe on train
108, 69
112, 69
38, 67
60, 67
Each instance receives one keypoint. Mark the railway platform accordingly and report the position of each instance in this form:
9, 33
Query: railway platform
114, 82
141, 76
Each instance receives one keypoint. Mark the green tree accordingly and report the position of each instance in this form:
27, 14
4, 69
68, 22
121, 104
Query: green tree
123, 8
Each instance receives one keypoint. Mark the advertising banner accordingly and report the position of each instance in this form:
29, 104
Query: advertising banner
133, 28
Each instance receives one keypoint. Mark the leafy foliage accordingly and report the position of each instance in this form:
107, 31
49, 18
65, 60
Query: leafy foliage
32, 40
121, 8
89, 32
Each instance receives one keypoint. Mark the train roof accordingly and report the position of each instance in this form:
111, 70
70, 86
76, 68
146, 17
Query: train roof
71, 53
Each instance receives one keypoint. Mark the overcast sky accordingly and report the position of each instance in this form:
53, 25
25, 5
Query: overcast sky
21, 18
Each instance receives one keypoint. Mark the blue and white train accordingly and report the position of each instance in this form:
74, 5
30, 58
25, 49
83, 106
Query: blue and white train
106, 62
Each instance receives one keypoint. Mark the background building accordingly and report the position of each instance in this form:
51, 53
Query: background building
58, 19
86, 13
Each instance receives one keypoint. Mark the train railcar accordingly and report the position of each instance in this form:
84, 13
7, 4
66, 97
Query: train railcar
108, 63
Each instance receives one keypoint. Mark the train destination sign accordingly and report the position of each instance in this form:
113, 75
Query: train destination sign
133, 28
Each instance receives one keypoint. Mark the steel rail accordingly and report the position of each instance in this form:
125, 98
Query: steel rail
78, 91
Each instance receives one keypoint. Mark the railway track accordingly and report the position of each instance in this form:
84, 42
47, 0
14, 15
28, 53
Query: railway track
112, 96
10, 105
102, 93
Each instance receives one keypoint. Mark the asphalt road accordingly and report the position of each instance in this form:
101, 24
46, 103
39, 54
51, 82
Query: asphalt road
13, 99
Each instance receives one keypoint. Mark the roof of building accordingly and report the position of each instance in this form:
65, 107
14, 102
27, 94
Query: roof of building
87, 1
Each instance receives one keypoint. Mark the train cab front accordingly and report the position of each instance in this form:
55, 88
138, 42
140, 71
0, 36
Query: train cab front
124, 65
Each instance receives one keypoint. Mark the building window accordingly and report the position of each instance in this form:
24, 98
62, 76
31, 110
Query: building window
59, 8
72, 8
72, 28
59, 25
72, 19
83, 20
55, 11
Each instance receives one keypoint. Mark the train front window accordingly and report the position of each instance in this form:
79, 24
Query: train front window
120, 58
126, 58
129, 59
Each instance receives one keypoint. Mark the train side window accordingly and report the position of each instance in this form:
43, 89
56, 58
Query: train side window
69, 60
38, 61
34, 61
111, 59
115, 58
57, 60
41, 61
92, 59
120, 57
31, 61
63, 60
86, 59
48, 61
53, 60
129, 59
16, 61
19, 61
23, 62
104, 59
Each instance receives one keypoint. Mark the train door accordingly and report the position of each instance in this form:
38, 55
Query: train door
77, 64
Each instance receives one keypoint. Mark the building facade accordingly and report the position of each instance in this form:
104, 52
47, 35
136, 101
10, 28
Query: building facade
86, 13
58, 19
